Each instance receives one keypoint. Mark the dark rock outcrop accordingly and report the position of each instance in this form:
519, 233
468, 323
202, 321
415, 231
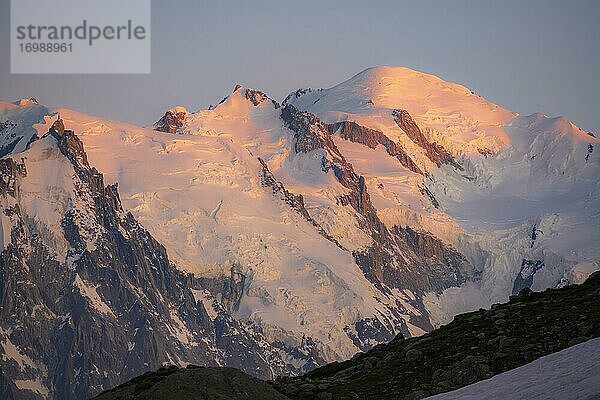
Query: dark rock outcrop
590, 149
525, 276
171, 122
367, 331
256, 97
8, 136
309, 133
424, 190
435, 152
370, 137
295, 202
436, 253
485, 152
229, 290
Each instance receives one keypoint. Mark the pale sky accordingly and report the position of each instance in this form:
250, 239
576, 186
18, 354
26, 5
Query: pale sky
527, 56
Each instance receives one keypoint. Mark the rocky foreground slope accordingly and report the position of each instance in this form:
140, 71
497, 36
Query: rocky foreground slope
194, 382
473, 347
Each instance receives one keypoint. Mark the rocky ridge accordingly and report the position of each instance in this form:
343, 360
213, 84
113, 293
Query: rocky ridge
370, 137
384, 261
435, 152
172, 121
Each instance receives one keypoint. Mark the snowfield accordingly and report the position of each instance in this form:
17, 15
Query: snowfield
570, 374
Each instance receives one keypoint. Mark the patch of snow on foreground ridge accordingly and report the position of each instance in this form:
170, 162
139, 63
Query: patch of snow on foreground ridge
572, 373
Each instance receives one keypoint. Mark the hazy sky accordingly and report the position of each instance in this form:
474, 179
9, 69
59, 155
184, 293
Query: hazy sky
527, 56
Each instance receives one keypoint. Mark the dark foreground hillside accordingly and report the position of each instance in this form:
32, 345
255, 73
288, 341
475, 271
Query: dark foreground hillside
193, 382
473, 347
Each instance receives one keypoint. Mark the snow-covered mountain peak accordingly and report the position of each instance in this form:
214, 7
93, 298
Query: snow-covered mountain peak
254, 96
448, 113
27, 102
236, 105
178, 110
17, 122
172, 121
383, 80
242, 95
490, 177
560, 126
240, 106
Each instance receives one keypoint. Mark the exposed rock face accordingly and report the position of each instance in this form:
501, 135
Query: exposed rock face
16, 131
7, 129
109, 305
370, 137
433, 249
590, 149
367, 331
228, 289
485, 152
436, 153
172, 121
72, 148
256, 97
296, 202
525, 277
297, 94
310, 134
390, 259
427, 192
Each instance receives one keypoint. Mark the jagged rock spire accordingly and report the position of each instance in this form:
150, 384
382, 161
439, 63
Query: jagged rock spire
58, 126
172, 121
